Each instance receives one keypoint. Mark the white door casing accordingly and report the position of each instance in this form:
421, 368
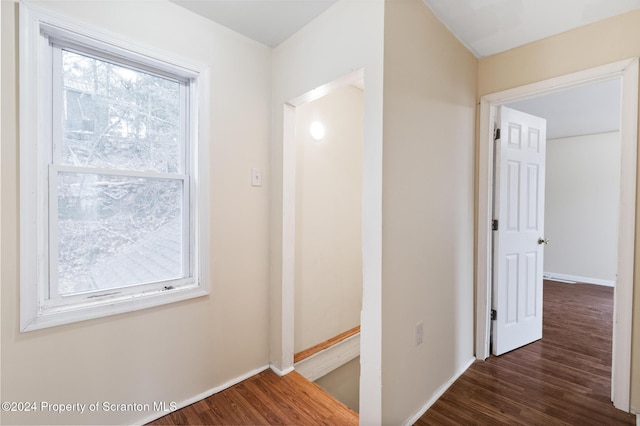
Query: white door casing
519, 210
628, 70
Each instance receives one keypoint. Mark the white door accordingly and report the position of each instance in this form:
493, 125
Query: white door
519, 239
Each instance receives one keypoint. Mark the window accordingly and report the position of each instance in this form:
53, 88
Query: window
112, 198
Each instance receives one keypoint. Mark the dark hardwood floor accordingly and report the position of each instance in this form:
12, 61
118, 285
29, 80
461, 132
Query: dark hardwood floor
563, 379
266, 399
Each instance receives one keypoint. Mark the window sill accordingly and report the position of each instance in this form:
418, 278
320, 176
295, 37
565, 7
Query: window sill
56, 316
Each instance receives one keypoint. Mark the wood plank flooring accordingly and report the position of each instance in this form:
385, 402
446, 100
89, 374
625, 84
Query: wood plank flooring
563, 379
266, 399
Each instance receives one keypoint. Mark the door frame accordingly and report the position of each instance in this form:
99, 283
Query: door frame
289, 208
627, 71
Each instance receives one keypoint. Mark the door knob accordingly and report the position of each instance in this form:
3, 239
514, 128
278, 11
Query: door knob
543, 241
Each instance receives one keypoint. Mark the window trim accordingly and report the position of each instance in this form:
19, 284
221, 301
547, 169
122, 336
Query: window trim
37, 26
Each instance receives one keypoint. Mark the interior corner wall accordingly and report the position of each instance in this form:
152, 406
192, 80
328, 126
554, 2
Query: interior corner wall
328, 252
178, 351
601, 43
428, 208
347, 37
581, 206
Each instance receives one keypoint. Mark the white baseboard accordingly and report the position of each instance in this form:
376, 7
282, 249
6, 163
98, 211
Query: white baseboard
441, 390
279, 372
327, 360
203, 395
575, 278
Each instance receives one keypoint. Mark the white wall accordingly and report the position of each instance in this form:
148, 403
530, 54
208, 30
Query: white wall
581, 206
178, 351
428, 208
348, 36
328, 280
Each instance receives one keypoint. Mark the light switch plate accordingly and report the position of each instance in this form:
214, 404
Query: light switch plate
256, 177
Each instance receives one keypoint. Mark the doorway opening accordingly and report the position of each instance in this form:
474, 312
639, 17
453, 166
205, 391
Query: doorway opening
322, 233
627, 71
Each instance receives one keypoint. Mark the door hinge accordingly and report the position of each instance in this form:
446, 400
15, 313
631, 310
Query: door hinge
496, 134
494, 225
494, 315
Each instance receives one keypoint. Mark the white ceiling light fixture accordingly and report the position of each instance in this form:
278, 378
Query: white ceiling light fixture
317, 131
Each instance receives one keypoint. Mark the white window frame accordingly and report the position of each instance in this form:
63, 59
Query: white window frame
38, 27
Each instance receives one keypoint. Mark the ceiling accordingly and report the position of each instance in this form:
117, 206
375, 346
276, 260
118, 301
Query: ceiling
583, 110
269, 22
485, 27
488, 27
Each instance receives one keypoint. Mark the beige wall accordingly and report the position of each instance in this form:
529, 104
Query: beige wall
328, 280
343, 383
178, 351
428, 207
581, 206
601, 43
348, 36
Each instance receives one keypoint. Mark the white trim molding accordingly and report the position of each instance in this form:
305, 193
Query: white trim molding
627, 70
552, 276
327, 360
279, 372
